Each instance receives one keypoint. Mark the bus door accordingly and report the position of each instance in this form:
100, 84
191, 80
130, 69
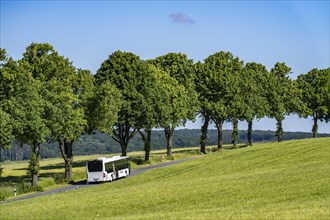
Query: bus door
114, 171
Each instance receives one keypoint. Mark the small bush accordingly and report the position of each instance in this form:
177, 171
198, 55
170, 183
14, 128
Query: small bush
26, 188
58, 178
138, 160
169, 158
2, 197
38, 189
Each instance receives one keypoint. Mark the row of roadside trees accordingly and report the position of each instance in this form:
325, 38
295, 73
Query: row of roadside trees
45, 98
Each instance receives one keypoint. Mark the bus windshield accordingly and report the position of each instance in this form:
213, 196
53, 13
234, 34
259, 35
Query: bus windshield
95, 166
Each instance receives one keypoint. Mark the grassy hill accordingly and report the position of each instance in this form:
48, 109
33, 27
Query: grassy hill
288, 180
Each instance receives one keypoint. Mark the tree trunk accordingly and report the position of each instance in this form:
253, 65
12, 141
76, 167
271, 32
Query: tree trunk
122, 135
218, 123
147, 143
34, 163
204, 133
124, 147
169, 140
34, 179
279, 131
249, 133
68, 160
66, 152
234, 135
315, 127
68, 170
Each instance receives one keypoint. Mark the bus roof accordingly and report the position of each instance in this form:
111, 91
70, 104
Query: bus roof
110, 159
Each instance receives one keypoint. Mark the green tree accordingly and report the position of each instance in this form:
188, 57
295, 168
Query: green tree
283, 95
3, 56
6, 128
253, 93
65, 121
171, 98
23, 98
203, 97
315, 86
154, 94
65, 114
178, 66
219, 79
128, 73
99, 103
235, 99
103, 107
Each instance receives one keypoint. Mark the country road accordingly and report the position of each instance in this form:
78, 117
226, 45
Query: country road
83, 185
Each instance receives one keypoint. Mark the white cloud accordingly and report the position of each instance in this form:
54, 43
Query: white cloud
180, 18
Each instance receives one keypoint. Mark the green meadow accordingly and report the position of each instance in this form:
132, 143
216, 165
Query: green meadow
287, 180
52, 170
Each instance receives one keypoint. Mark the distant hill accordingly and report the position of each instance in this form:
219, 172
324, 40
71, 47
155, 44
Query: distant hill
100, 143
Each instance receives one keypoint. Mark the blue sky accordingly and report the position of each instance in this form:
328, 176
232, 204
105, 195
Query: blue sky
86, 32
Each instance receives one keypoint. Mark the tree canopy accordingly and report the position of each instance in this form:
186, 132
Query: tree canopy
21, 97
283, 95
254, 79
130, 75
315, 86
218, 81
183, 104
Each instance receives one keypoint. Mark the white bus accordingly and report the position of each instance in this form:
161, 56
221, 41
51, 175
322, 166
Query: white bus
107, 169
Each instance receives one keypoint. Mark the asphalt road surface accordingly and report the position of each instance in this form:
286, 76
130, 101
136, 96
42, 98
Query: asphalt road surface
83, 185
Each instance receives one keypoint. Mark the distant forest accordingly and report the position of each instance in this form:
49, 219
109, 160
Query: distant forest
100, 143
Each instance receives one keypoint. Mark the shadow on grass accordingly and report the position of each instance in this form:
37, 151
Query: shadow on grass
62, 165
231, 147
24, 168
58, 166
12, 180
80, 182
79, 163
188, 151
137, 159
57, 176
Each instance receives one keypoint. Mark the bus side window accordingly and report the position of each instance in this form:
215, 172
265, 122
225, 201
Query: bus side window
108, 167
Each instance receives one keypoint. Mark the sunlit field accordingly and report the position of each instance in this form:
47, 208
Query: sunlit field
288, 180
